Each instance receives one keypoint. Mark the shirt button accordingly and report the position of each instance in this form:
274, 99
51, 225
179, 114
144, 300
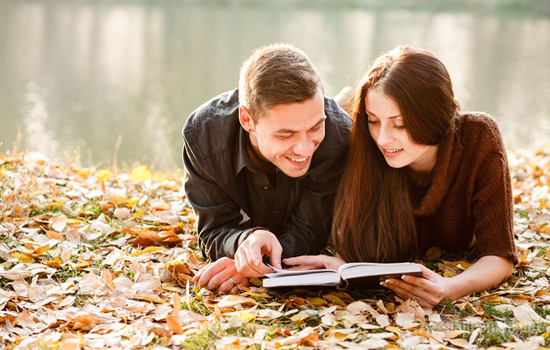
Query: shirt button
278, 212
265, 187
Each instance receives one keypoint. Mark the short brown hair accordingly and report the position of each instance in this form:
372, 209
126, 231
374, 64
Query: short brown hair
276, 74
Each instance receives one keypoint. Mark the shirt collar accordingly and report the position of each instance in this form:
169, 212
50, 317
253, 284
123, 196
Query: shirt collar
243, 159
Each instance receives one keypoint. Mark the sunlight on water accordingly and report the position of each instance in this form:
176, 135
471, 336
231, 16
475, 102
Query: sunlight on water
118, 79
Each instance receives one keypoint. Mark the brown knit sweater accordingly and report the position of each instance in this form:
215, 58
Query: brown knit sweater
468, 200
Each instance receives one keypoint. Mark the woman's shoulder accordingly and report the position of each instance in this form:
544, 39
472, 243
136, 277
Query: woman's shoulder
478, 128
477, 121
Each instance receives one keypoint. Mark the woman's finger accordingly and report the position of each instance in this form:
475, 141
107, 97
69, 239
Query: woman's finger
311, 261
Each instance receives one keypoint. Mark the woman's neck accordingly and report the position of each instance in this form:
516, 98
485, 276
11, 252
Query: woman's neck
423, 166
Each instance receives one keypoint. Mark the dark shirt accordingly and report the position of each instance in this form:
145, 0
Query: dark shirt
230, 194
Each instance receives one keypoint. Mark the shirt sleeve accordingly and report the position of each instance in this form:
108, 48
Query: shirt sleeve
218, 215
493, 204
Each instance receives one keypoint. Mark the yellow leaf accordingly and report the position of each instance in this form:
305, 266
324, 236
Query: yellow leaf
103, 175
140, 173
299, 317
146, 250
234, 300
55, 263
454, 334
393, 329
256, 295
449, 274
82, 265
334, 299
316, 301
463, 343
117, 200
83, 172
22, 257
245, 316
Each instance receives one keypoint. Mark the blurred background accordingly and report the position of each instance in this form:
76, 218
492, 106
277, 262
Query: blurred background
117, 79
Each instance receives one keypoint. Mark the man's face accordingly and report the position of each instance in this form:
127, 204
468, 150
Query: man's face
288, 135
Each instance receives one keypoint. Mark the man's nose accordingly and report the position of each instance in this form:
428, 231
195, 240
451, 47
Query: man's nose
304, 146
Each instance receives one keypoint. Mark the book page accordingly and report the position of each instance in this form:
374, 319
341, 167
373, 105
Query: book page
281, 273
357, 270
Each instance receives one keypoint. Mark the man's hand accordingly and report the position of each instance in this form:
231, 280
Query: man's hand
217, 276
248, 257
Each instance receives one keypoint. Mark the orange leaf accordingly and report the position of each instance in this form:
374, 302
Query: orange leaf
107, 279
173, 324
42, 249
55, 263
54, 235
177, 304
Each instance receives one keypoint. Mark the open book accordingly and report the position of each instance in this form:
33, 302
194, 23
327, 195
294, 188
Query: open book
360, 275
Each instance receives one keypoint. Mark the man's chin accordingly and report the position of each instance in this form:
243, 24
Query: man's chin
294, 172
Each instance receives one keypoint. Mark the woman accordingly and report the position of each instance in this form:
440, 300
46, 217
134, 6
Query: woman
421, 174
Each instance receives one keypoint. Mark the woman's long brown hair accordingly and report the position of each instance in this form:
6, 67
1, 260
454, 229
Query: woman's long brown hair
373, 218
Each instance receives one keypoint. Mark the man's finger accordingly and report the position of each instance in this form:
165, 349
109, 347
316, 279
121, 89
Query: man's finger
275, 255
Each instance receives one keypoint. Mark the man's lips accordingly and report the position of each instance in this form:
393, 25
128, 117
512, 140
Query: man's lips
298, 161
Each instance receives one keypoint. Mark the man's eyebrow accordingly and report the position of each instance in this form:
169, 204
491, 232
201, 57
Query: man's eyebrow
290, 131
392, 117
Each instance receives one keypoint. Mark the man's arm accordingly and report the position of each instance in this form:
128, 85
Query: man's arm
218, 215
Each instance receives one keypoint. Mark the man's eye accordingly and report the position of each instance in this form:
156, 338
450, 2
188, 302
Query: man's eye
284, 137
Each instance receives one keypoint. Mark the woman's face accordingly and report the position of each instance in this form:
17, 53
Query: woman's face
387, 130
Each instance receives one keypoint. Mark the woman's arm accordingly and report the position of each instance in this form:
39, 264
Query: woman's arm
432, 288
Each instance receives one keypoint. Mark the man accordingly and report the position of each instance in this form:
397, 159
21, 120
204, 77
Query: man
263, 165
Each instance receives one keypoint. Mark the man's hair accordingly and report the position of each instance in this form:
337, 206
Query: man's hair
274, 75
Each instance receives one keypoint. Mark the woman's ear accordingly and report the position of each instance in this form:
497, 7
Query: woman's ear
246, 119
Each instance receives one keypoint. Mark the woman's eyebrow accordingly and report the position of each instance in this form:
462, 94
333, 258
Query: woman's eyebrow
392, 117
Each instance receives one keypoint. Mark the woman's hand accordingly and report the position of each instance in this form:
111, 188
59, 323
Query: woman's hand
313, 262
428, 290
221, 276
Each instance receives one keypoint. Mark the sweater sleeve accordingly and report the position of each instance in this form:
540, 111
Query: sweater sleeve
493, 211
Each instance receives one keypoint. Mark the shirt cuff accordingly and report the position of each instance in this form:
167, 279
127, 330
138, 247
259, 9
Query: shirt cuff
247, 233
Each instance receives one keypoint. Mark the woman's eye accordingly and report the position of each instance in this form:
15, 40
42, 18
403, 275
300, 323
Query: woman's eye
372, 121
400, 127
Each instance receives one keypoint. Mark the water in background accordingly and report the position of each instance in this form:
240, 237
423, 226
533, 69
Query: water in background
117, 79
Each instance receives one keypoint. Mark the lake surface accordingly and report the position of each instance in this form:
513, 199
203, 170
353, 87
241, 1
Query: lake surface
118, 79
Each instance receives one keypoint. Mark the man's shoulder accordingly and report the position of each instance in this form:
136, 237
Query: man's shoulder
337, 126
213, 126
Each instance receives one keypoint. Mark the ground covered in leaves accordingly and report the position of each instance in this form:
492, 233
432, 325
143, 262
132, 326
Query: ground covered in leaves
94, 259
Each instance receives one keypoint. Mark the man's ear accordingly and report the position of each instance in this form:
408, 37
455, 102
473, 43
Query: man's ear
245, 119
